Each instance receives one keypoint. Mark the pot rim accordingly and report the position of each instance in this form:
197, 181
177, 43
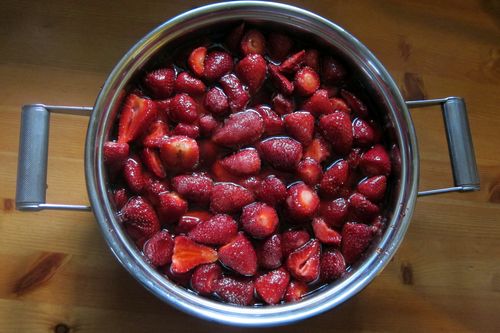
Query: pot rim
126, 252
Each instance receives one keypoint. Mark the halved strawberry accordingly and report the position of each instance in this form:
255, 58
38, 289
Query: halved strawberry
376, 161
373, 188
309, 171
269, 253
311, 59
362, 208
282, 153
185, 83
160, 82
279, 80
271, 191
252, 71
303, 263
115, 153
325, 234
140, 219
335, 178
306, 81
273, 124
318, 150
133, 172
189, 130
243, 163
332, 265
180, 153
157, 133
355, 240
159, 248
253, 42
189, 220
293, 63
279, 45
283, 105
319, 103
259, 220
240, 129
334, 212
355, 103
184, 109
189, 254
295, 291
237, 96
271, 287
292, 240
217, 64
195, 187
170, 207
300, 126
239, 255
163, 107
151, 159
216, 102
205, 278
196, 60
332, 71
229, 198
302, 201
218, 230
135, 117
235, 290
337, 129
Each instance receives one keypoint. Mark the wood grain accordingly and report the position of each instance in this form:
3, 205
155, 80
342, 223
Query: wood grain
57, 274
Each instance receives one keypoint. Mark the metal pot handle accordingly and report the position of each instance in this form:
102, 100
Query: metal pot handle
461, 150
31, 184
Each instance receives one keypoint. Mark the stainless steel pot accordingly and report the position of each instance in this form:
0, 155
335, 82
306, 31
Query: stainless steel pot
384, 94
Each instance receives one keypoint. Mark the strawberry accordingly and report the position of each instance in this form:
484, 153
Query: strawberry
283, 105
318, 150
332, 264
185, 83
271, 287
237, 96
160, 82
335, 178
243, 163
375, 161
222, 175
363, 133
240, 129
295, 291
279, 45
355, 240
136, 116
196, 61
293, 63
239, 255
151, 159
188, 255
229, 198
332, 70
334, 212
189, 220
207, 125
269, 253
300, 125
362, 208
373, 188
302, 201
253, 42
235, 291
354, 103
180, 153
216, 102
208, 152
140, 219
170, 207
319, 103
282, 153
120, 197
205, 278
354, 158
273, 124
133, 172
188, 130
311, 59
218, 230
252, 71
337, 129
303, 263
157, 133
306, 81
195, 187
250, 183
217, 64
309, 171
159, 248
271, 191
153, 187
233, 39
338, 104
325, 235
183, 109
259, 220
115, 153
279, 80
163, 107
292, 240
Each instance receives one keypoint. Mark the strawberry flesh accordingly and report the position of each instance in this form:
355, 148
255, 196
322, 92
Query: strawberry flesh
189, 254
303, 263
136, 116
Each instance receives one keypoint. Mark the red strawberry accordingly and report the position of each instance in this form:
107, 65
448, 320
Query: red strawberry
376, 161
217, 64
157, 133
335, 178
273, 124
120, 197
311, 59
271, 287
189, 254
306, 81
239, 255
283, 105
279, 80
373, 188
338, 104
188, 130
252, 71
332, 265
302, 201
332, 70
279, 45
170, 207
216, 102
259, 220
136, 116
354, 158
237, 96
185, 83
205, 278
133, 173
269, 253
115, 153
334, 212
159, 248
196, 60
282, 153
303, 263
189, 220
195, 187
293, 63
250, 183
235, 291
355, 240
183, 109
240, 129
233, 39
253, 42
362, 208
180, 152
309, 171
229, 198
300, 125
140, 219
243, 163
319, 103
218, 230
292, 240
222, 175
354, 103
163, 107
153, 187
160, 82
208, 124
151, 159
337, 129
271, 191
295, 291
325, 235
318, 150
363, 133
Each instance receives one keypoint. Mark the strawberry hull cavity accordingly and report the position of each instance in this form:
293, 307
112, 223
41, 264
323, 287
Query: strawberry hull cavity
248, 168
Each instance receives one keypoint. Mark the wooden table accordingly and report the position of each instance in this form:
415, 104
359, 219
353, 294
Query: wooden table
56, 272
